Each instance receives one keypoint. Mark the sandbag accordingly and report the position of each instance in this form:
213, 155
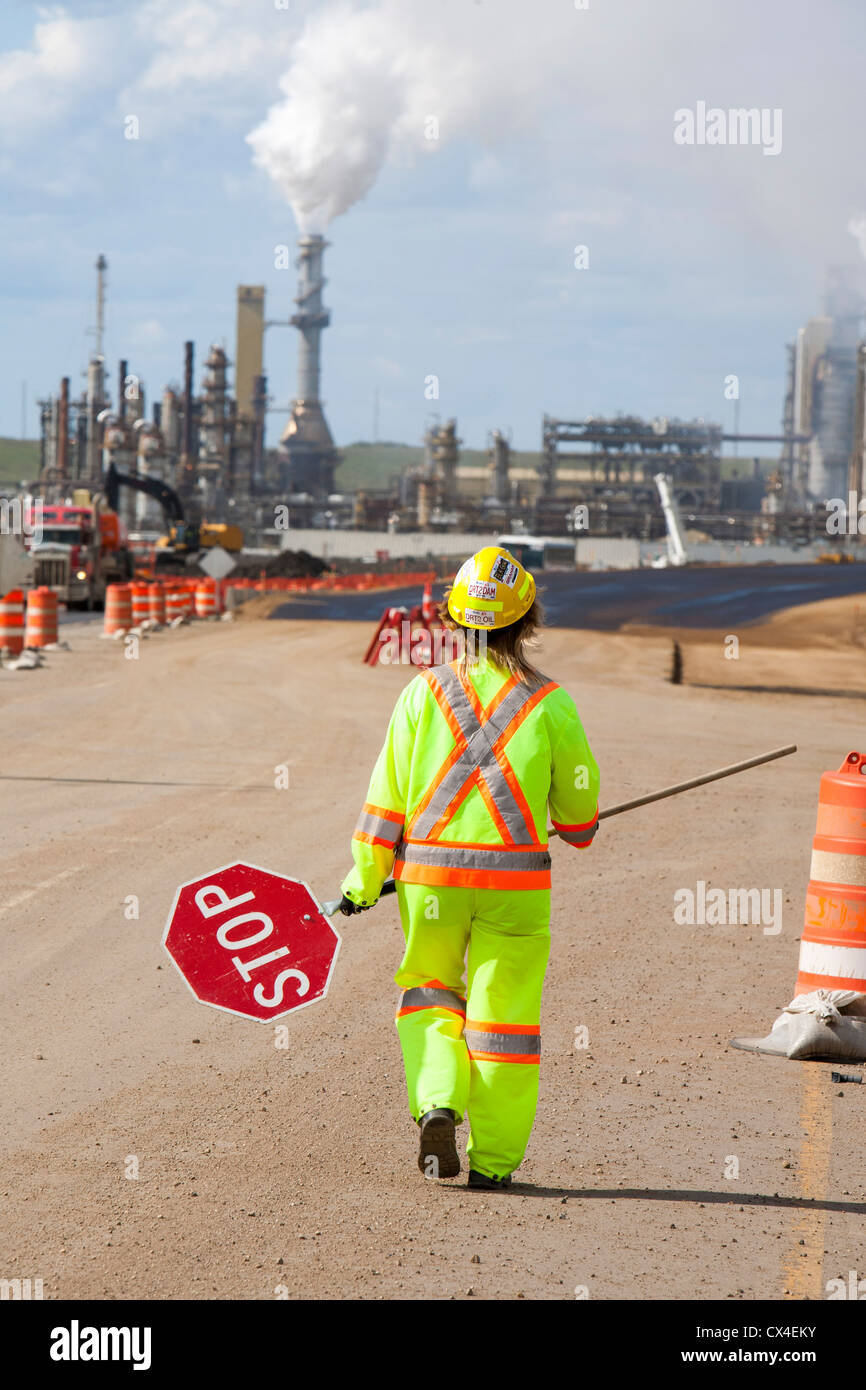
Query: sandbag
827, 1025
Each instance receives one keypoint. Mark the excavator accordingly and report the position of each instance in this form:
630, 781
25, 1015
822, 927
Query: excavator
184, 540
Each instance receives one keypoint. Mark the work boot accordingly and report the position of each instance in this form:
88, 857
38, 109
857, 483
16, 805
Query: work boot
477, 1179
438, 1156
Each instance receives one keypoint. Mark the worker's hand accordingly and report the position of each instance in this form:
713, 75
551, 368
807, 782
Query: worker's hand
348, 908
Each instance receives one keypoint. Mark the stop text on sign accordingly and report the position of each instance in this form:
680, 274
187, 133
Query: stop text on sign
245, 968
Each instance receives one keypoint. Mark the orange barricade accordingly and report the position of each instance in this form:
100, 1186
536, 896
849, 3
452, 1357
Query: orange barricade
118, 609
156, 601
41, 629
833, 944
205, 598
140, 603
12, 622
175, 603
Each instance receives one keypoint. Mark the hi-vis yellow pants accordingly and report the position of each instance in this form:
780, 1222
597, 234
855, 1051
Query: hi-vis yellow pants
475, 1048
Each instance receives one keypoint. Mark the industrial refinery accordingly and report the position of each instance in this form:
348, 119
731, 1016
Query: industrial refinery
205, 437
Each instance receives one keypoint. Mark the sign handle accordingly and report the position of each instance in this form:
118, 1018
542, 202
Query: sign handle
330, 907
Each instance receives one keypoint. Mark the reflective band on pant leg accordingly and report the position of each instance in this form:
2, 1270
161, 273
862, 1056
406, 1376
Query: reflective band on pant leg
508, 949
515, 1046
425, 997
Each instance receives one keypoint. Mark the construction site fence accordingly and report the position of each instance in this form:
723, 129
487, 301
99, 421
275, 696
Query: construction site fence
266, 584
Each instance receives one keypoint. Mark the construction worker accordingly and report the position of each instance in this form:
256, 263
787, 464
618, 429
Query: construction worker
476, 752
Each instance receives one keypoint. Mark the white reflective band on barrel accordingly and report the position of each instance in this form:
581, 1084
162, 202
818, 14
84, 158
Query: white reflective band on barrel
529, 1043
478, 755
447, 856
837, 962
426, 997
378, 826
848, 869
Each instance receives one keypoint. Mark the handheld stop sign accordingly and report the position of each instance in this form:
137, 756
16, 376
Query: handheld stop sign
251, 942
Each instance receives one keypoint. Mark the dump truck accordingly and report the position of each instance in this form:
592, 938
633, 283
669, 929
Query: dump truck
79, 550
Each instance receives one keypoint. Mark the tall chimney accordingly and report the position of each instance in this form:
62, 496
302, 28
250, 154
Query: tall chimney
185, 474
306, 439
311, 317
63, 429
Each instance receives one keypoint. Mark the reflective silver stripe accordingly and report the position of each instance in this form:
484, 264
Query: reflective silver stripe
478, 754
425, 997
390, 830
848, 870
527, 1043
447, 856
578, 837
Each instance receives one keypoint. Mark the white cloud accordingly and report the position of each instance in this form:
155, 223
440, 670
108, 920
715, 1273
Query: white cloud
68, 60
147, 333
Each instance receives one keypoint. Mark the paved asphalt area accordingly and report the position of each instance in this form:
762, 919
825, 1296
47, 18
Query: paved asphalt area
605, 601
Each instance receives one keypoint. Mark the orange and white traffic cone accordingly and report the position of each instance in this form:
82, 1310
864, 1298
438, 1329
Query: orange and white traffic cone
428, 606
12, 622
826, 1020
41, 629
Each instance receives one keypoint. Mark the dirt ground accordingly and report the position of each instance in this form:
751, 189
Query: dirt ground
815, 648
664, 1164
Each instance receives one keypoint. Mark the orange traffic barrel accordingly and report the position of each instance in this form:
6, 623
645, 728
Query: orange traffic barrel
12, 622
140, 603
833, 944
205, 599
118, 609
41, 629
156, 602
175, 603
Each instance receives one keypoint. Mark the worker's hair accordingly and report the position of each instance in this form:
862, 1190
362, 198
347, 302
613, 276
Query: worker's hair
506, 646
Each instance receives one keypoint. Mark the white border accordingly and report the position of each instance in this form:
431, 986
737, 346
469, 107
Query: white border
238, 1013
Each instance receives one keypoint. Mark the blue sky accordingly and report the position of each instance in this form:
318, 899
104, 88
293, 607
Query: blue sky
557, 130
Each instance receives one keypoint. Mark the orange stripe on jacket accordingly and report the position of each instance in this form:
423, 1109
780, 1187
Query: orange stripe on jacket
369, 809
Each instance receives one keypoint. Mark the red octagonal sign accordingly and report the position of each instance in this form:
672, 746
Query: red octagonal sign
251, 942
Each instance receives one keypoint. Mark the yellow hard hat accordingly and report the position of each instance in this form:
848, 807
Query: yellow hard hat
491, 589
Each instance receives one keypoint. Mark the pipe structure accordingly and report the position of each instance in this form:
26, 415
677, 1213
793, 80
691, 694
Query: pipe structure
311, 317
63, 429
306, 441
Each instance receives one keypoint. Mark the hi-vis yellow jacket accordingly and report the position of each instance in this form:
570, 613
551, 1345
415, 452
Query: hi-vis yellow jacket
460, 791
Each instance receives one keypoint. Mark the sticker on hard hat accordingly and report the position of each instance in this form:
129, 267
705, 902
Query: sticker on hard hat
480, 588
481, 616
505, 571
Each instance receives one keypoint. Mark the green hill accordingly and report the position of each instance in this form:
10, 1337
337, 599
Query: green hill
375, 466
19, 459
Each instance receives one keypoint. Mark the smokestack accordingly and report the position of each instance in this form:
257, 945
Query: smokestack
63, 429
188, 352
306, 439
311, 317
186, 468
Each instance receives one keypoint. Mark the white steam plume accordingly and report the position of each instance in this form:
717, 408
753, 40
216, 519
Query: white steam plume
363, 85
